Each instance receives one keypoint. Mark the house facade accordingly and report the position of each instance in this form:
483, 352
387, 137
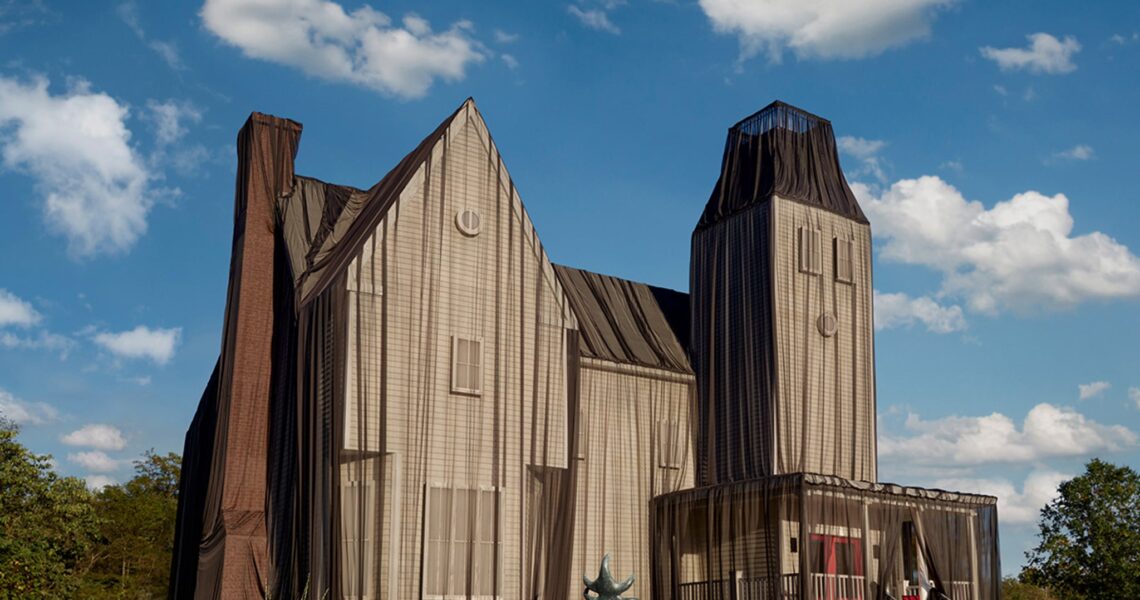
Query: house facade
412, 401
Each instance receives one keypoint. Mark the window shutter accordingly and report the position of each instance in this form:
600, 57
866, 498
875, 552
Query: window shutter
811, 261
843, 266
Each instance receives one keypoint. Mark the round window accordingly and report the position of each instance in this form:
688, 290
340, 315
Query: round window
468, 221
827, 324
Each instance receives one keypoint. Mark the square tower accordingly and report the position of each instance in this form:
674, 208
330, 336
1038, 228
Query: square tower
782, 325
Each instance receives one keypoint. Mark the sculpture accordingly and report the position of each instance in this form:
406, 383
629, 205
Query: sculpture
604, 586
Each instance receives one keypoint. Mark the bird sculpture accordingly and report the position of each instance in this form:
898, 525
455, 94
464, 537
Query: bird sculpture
604, 586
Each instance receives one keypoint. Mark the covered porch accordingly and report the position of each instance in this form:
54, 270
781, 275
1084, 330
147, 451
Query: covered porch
824, 538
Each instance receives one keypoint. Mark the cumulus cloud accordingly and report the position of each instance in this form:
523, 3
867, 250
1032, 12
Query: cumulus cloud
1045, 54
141, 342
1078, 152
1020, 254
96, 435
25, 413
170, 119
95, 460
1047, 431
594, 18
822, 28
867, 153
1015, 506
76, 145
1092, 390
96, 483
900, 310
14, 311
362, 47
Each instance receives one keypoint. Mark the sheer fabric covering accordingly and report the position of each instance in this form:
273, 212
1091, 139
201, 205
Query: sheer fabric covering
816, 537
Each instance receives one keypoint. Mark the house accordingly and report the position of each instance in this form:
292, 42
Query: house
412, 401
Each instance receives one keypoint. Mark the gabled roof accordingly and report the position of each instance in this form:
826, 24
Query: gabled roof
627, 322
780, 151
325, 225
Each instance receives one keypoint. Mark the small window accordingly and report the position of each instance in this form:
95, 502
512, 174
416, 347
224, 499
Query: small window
811, 261
466, 366
843, 251
469, 222
669, 445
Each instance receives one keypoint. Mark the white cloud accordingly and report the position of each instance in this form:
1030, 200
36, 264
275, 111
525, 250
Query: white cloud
900, 310
1045, 54
1092, 390
511, 62
26, 413
1014, 507
14, 311
361, 47
96, 483
1020, 254
1047, 431
822, 28
867, 153
142, 342
96, 435
952, 165
170, 118
1134, 395
167, 51
42, 340
76, 146
503, 37
1078, 152
594, 18
1124, 40
95, 460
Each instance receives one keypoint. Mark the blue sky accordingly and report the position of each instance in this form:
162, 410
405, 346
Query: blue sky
993, 145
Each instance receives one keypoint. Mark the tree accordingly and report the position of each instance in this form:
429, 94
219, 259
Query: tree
1090, 536
1013, 589
47, 523
137, 521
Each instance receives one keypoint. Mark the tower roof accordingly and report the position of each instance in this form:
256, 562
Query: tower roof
780, 151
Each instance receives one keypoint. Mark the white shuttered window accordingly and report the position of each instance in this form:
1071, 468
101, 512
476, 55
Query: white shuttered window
811, 259
461, 552
669, 454
466, 366
843, 251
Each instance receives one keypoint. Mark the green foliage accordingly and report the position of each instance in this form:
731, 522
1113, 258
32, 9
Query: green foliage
1090, 536
1012, 589
137, 521
59, 540
48, 524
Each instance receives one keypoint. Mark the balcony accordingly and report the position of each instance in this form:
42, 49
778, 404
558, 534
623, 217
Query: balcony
823, 587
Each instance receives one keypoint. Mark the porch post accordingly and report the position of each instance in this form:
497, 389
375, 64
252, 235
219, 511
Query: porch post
867, 551
973, 558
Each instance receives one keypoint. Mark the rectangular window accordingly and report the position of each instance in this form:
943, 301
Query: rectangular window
811, 259
843, 252
358, 533
669, 449
462, 545
466, 366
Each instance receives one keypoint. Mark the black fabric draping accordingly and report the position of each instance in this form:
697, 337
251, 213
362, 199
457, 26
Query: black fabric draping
816, 537
782, 151
622, 321
197, 461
